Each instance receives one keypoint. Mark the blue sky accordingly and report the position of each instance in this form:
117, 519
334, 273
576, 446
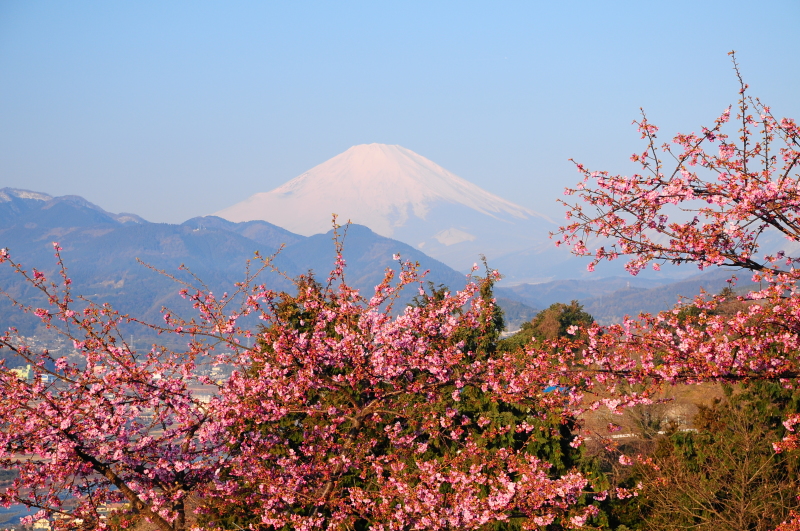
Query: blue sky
178, 109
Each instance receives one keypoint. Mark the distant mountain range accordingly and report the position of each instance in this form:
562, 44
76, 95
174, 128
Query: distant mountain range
101, 251
610, 299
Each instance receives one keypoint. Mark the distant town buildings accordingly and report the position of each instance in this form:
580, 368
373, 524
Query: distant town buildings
24, 373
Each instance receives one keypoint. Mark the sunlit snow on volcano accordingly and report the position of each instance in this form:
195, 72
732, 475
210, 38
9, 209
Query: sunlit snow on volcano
400, 194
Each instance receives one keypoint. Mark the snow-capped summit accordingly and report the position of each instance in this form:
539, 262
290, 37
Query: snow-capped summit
376, 185
399, 194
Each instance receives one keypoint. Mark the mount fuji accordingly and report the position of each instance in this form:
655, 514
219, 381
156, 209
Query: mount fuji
402, 195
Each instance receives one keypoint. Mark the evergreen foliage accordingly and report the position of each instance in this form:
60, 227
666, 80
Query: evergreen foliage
723, 476
552, 323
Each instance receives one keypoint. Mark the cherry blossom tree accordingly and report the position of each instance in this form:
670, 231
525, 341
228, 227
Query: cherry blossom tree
715, 205
111, 425
344, 413
714, 198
